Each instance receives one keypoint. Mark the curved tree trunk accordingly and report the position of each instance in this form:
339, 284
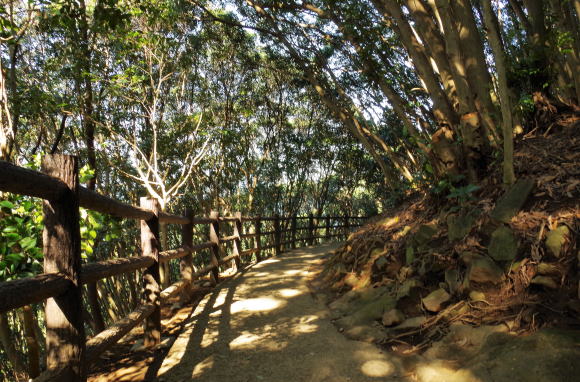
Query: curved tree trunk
441, 104
429, 33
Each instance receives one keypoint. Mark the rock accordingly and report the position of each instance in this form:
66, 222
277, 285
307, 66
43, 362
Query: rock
548, 269
469, 257
409, 255
513, 200
435, 300
452, 280
393, 317
458, 226
354, 299
358, 281
411, 323
476, 296
484, 270
425, 233
407, 287
556, 238
546, 281
368, 312
503, 245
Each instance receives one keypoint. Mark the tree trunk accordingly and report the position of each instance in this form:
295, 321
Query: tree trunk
476, 68
13, 355
430, 34
164, 269
494, 37
28, 322
441, 104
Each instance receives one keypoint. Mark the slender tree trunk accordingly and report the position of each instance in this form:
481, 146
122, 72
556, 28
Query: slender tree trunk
28, 322
494, 37
441, 104
13, 355
476, 68
164, 269
427, 29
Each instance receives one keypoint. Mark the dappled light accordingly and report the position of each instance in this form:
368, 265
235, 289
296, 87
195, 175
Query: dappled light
267, 313
261, 304
378, 368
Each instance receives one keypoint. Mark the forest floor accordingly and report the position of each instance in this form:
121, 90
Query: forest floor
472, 279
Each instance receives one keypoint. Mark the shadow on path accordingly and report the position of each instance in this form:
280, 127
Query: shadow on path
264, 325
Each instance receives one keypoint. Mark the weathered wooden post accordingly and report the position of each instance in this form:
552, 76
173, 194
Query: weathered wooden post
346, 227
214, 237
258, 239
238, 229
61, 237
277, 235
293, 231
310, 229
186, 262
151, 281
327, 230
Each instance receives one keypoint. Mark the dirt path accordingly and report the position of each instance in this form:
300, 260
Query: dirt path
264, 325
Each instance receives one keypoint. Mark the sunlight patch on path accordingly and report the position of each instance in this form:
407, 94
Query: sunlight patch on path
264, 325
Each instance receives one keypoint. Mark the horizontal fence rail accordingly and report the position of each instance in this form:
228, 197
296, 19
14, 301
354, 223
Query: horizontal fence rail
62, 285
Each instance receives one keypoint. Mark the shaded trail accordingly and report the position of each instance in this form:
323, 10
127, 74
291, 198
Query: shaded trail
264, 325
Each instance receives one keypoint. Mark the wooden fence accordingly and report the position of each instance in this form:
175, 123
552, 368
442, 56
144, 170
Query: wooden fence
68, 352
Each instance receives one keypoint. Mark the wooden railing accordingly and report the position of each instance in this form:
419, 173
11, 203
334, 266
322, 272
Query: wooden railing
68, 352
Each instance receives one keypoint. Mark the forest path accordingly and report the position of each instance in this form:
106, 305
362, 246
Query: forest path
265, 325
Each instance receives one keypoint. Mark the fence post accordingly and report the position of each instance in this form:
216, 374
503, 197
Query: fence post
293, 231
277, 235
65, 333
151, 281
186, 263
346, 226
327, 230
310, 229
214, 237
238, 241
258, 239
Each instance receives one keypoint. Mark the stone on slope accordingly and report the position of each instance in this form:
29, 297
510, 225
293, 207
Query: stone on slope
407, 287
435, 300
393, 317
369, 312
425, 233
556, 238
458, 226
452, 280
484, 270
476, 296
411, 323
546, 281
503, 245
513, 200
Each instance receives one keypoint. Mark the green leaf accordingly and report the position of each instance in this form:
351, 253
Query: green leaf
6, 204
28, 242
